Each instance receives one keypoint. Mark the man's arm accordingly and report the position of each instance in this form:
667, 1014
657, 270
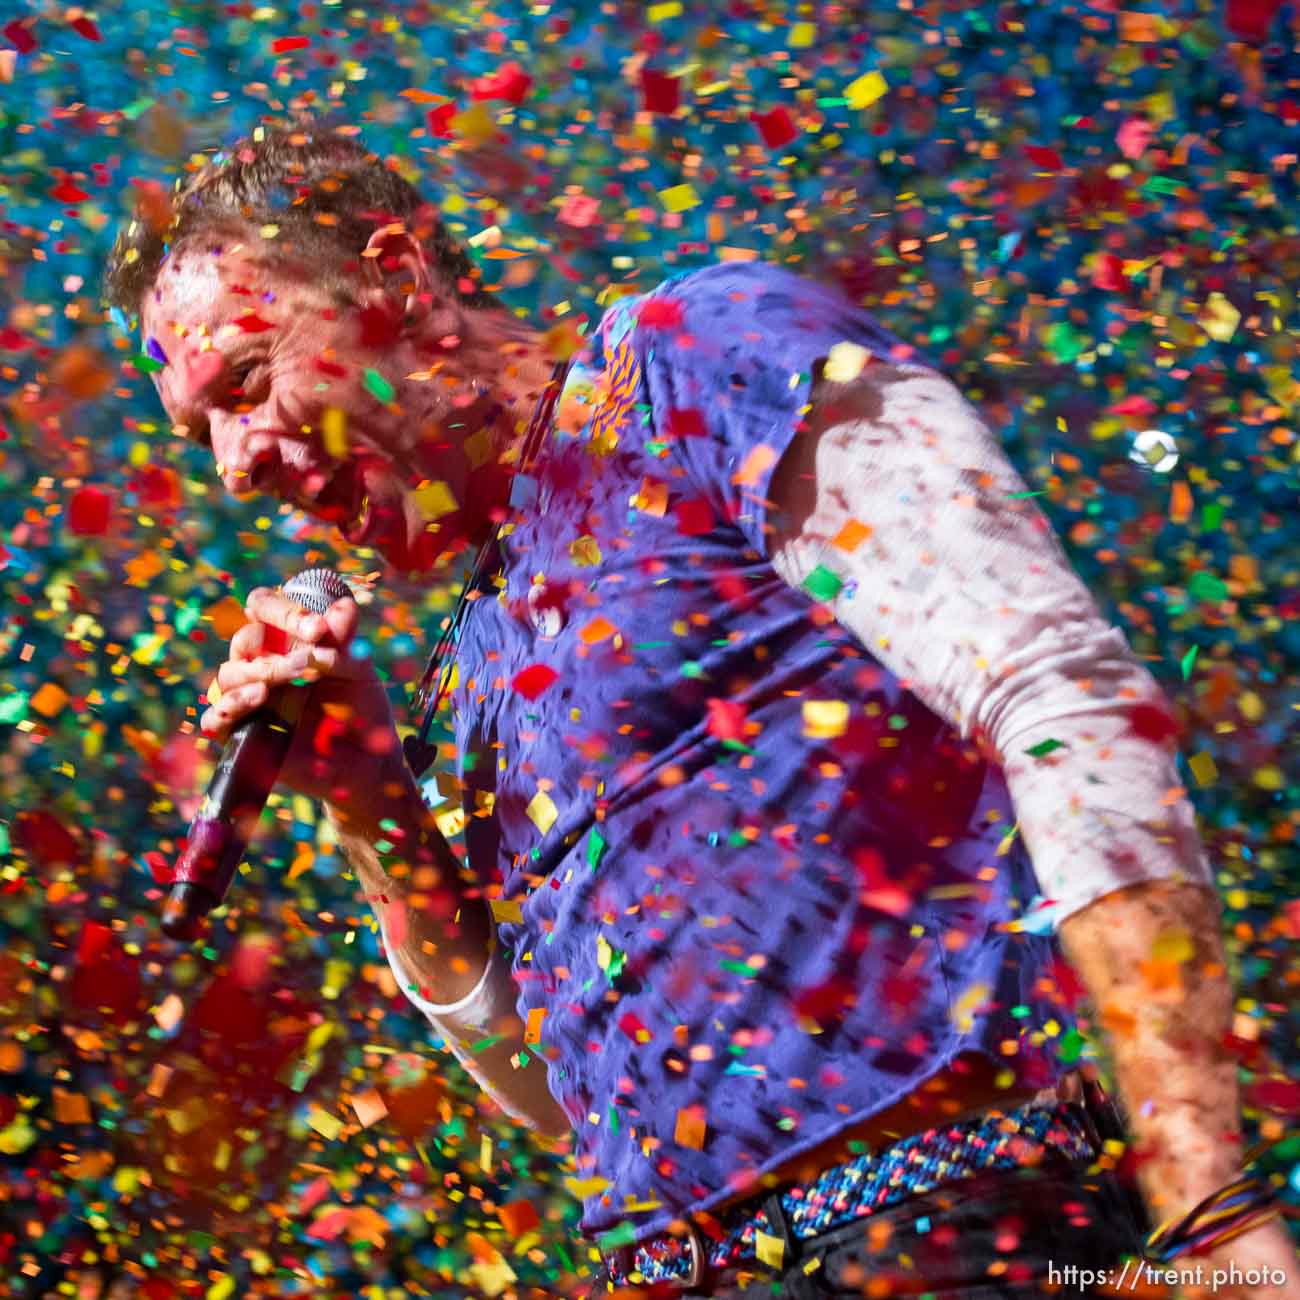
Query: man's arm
957, 583
438, 941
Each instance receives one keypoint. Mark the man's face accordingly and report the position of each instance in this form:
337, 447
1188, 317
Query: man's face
277, 378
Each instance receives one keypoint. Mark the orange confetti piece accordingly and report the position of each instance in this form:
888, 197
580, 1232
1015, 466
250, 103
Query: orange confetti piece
533, 1029
851, 536
759, 460
518, 1217
370, 1107
49, 700
599, 629
1180, 502
71, 1107
690, 1128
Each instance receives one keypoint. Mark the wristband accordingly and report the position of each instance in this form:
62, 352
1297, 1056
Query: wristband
1235, 1208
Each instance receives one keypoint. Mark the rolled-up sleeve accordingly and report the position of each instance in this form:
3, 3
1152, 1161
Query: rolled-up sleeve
954, 579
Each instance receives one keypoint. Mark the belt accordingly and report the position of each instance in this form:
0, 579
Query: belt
853, 1191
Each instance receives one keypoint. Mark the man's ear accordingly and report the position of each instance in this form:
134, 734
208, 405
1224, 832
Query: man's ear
397, 276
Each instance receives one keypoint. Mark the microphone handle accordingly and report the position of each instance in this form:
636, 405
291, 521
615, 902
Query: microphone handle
245, 774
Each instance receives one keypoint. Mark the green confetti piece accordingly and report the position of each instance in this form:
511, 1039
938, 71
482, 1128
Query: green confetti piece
1211, 516
377, 385
1188, 661
146, 364
484, 1043
821, 584
621, 1235
4, 837
1044, 747
737, 967
596, 846
13, 708
132, 111
1207, 586
1020, 496
617, 960
1071, 1045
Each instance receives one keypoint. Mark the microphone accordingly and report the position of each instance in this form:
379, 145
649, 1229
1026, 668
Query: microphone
245, 775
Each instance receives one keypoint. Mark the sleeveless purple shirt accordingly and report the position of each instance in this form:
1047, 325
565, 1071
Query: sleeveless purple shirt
761, 885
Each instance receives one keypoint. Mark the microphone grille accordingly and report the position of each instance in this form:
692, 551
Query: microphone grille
316, 589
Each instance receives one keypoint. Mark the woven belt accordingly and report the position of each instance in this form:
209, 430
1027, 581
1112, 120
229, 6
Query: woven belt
852, 1191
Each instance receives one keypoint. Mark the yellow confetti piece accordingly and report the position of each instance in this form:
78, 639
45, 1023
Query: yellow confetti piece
334, 432
662, 12
802, 35
1219, 318
1270, 777
599, 629
221, 1289
868, 88
963, 1009
770, 1250
679, 198
585, 1187
845, 362
825, 719
507, 909
324, 1123
533, 1028
434, 499
370, 1107
1203, 768
1173, 945
476, 124
542, 811
585, 552
49, 700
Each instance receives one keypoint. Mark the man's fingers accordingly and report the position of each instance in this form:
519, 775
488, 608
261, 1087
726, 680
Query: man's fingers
341, 618
247, 642
279, 611
303, 664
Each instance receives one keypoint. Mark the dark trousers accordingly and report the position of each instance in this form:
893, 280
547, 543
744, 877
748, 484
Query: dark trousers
1047, 1230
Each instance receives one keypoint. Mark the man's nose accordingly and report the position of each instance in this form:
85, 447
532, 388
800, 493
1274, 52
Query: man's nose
247, 462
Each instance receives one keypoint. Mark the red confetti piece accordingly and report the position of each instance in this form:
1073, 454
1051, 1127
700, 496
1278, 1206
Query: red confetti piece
530, 682
68, 192
660, 93
727, 719
660, 313
89, 511
694, 517
283, 44
509, 82
84, 27
686, 422
254, 324
1151, 722
630, 1024
19, 36
1047, 160
439, 121
1251, 19
776, 127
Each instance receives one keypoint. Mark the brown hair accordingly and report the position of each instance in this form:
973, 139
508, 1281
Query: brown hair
324, 191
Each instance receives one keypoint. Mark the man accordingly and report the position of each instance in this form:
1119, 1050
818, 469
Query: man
774, 698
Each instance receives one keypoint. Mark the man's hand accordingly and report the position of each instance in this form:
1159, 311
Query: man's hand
346, 744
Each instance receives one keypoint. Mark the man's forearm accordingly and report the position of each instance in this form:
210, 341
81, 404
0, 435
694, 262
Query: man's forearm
1151, 957
438, 939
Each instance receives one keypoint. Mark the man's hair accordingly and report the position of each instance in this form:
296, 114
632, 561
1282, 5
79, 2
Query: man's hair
325, 193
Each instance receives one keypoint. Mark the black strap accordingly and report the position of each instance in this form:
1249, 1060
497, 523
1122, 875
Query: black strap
778, 1226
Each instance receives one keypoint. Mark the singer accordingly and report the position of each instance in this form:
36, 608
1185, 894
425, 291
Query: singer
802, 774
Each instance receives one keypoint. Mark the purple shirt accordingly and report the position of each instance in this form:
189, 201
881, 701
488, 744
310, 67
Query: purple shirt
760, 884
